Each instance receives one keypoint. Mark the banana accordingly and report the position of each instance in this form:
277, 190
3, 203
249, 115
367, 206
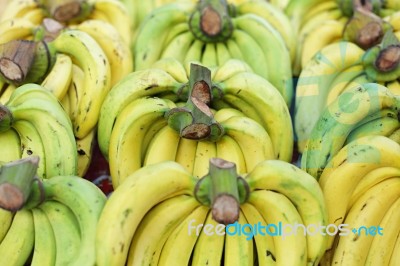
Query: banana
204, 151
66, 105
31, 144
265, 246
75, 91
342, 81
367, 211
16, 29
10, 146
273, 113
223, 54
229, 69
275, 17
382, 246
273, 175
314, 82
162, 147
6, 218
117, 15
252, 138
18, 243
395, 258
234, 49
383, 126
395, 136
18, 9
84, 148
277, 209
224, 114
186, 153
119, 222
180, 237
194, 53
66, 231
172, 67
229, 149
209, 57
86, 201
274, 49
337, 121
178, 46
209, 247
349, 166
252, 52
147, 49
133, 123
329, 31
238, 249
372, 178
44, 252
54, 126
318, 9
126, 92
394, 86
59, 77
88, 55
7, 92
117, 51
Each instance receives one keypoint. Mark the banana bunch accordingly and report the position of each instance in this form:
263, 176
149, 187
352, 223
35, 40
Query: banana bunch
18, 15
133, 131
361, 187
212, 32
154, 217
56, 225
336, 69
33, 123
365, 110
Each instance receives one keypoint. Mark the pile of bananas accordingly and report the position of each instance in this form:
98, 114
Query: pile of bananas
234, 132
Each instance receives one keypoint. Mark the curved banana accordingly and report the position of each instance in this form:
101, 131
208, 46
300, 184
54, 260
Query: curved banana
180, 237
75, 91
194, 53
111, 42
18, 243
162, 147
18, 9
265, 246
395, 258
6, 217
238, 249
178, 46
209, 247
44, 252
229, 149
66, 231
84, 148
7, 92
382, 246
209, 57
86, 201
88, 55
273, 175
277, 209
173, 67
10, 146
367, 211
119, 222
59, 77
229, 69
16, 29
204, 151
223, 54
186, 153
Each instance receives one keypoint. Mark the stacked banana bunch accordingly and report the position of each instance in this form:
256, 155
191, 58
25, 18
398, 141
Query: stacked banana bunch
83, 54
153, 217
47, 222
366, 172
164, 113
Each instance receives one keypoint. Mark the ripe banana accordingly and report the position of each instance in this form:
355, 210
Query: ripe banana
84, 148
178, 46
11, 146
186, 153
229, 149
44, 252
204, 151
170, 255
18, 243
143, 189
277, 209
6, 217
18, 9
395, 258
16, 29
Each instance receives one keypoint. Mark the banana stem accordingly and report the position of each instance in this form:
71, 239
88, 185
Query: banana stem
211, 21
364, 28
389, 56
48, 30
16, 180
222, 189
6, 118
195, 120
16, 59
68, 10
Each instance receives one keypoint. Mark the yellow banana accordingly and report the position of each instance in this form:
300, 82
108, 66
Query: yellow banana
204, 151
229, 149
6, 217
84, 148
10, 146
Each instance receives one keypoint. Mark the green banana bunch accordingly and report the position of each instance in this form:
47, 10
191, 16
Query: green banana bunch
161, 206
361, 190
35, 124
336, 69
350, 112
134, 112
256, 32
